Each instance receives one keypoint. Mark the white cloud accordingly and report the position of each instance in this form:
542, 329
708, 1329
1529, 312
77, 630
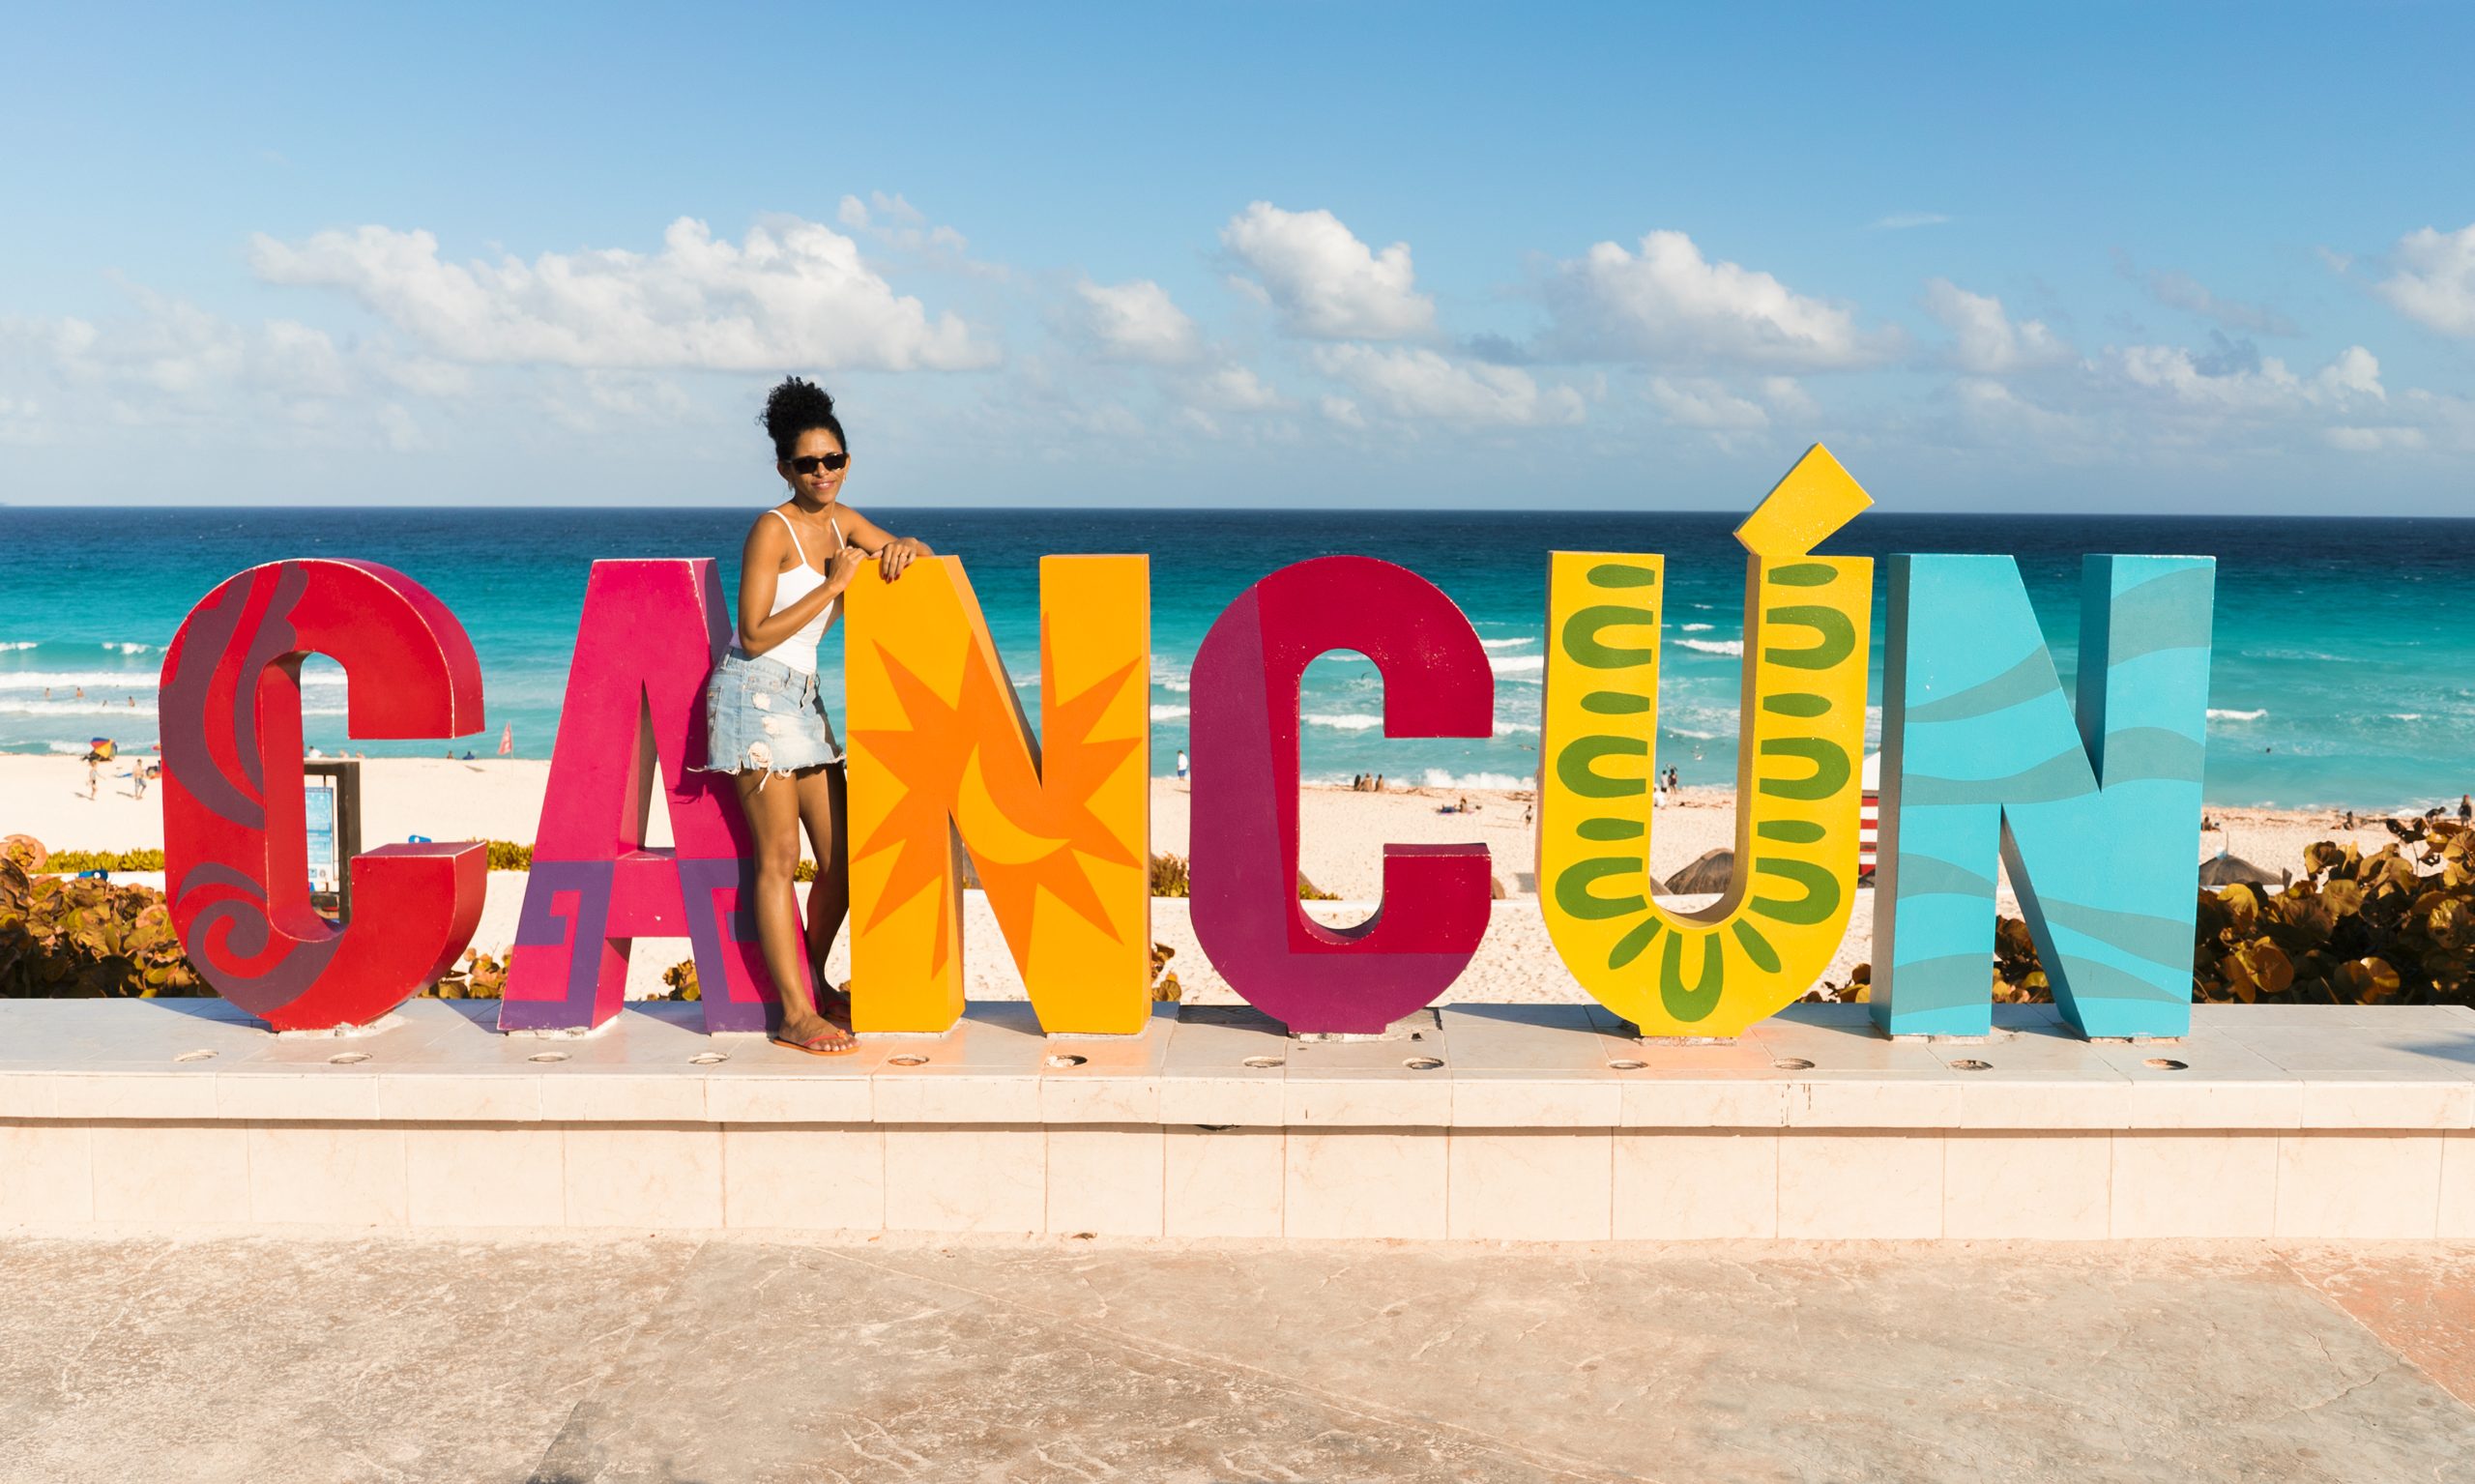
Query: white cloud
903, 231
2372, 440
1137, 321
1706, 404
2435, 284
22, 421
1343, 411
794, 295
175, 371
1416, 383
1999, 413
1668, 303
424, 375
2182, 291
2451, 419
1234, 388
1789, 397
1904, 221
1325, 283
173, 349
2351, 379
403, 434
1985, 341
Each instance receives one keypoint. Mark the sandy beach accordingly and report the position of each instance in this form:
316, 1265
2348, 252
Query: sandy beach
1342, 838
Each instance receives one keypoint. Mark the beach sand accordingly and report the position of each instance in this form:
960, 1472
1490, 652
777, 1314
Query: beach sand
1342, 836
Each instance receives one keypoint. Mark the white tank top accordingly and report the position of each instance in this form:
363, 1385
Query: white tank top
799, 651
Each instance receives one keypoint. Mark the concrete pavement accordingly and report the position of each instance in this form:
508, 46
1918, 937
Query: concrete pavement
668, 1358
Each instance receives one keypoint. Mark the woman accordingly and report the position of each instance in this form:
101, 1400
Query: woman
764, 722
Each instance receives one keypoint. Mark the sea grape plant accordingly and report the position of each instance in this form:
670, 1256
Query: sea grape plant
2394, 927
65, 937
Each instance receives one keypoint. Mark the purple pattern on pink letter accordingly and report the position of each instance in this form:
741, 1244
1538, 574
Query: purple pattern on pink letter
236, 860
650, 634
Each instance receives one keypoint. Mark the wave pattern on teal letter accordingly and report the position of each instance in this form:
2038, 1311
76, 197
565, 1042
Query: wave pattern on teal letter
2095, 811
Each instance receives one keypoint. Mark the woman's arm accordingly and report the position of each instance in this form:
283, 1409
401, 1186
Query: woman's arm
892, 552
759, 567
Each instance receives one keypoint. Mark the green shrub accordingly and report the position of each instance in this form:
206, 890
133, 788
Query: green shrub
2394, 927
66, 939
1169, 876
68, 863
477, 975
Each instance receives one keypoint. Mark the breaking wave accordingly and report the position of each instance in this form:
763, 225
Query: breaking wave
1437, 778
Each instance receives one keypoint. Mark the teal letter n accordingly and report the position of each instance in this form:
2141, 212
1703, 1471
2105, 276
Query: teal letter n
2096, 815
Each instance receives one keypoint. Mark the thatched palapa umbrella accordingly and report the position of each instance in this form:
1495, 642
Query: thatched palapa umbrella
1710, 873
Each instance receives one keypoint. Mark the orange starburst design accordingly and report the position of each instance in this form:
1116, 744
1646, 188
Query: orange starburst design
1031, 822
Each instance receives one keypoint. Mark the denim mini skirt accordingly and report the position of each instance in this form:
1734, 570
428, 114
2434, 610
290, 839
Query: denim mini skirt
761, 715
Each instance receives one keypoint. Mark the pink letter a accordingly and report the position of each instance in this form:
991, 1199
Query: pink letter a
649, 637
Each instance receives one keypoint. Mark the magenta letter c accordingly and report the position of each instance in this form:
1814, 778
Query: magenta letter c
1436, 683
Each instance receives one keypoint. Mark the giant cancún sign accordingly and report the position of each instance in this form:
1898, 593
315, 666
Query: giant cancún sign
2091, 801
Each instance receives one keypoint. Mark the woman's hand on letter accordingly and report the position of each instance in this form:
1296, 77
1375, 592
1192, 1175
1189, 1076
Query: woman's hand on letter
896, 556
844, 567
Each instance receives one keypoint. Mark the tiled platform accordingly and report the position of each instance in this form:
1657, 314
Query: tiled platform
1534, 1123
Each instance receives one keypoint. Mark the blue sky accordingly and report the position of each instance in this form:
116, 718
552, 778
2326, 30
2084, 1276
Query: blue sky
2178, 257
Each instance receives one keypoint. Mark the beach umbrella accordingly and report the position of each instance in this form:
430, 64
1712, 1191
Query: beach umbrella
103, 748
1710, 873
2224, 870
507, 740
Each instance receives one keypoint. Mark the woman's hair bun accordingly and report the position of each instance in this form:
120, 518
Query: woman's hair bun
795, 405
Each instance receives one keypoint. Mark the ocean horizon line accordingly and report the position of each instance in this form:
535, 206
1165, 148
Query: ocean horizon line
1874, 515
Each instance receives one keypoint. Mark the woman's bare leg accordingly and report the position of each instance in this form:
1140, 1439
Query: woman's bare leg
773, 808
823, 810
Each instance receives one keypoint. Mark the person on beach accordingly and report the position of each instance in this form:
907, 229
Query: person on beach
765, 724
1181, 764
2465, 806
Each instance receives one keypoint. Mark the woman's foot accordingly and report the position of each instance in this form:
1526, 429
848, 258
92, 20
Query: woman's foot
818, 1037
834, 1004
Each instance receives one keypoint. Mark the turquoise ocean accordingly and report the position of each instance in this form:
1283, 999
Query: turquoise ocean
2343, 673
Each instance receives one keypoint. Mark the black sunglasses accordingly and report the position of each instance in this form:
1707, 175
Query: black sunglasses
812, 463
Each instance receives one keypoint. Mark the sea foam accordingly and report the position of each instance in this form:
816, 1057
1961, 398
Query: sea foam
1437, 778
